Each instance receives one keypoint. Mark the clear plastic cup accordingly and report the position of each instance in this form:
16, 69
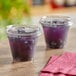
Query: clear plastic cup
22, 41
55, 30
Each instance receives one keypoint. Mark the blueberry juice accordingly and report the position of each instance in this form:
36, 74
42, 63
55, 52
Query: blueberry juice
55, 31
55, 36
22, 42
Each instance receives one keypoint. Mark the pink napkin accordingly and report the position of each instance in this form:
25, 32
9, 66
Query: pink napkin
63, 65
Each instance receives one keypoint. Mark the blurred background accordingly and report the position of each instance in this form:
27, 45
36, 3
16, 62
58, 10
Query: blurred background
29, 12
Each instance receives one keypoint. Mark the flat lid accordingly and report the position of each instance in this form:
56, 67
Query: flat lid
23, 30
54, 20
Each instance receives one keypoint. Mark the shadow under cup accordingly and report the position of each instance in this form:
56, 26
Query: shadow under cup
22, 45
55, 30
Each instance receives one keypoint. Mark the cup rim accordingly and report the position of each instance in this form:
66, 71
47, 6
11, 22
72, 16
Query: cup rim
55, 17
35, 33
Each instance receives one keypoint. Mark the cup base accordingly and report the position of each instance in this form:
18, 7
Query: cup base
21, 60
54, 47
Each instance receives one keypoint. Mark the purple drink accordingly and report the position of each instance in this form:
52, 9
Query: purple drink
55, 30
22, 42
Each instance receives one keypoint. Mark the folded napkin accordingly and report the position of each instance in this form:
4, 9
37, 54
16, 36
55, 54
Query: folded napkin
63, 65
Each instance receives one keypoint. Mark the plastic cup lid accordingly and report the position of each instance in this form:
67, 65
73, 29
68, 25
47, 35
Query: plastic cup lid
23, 30
55, 20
